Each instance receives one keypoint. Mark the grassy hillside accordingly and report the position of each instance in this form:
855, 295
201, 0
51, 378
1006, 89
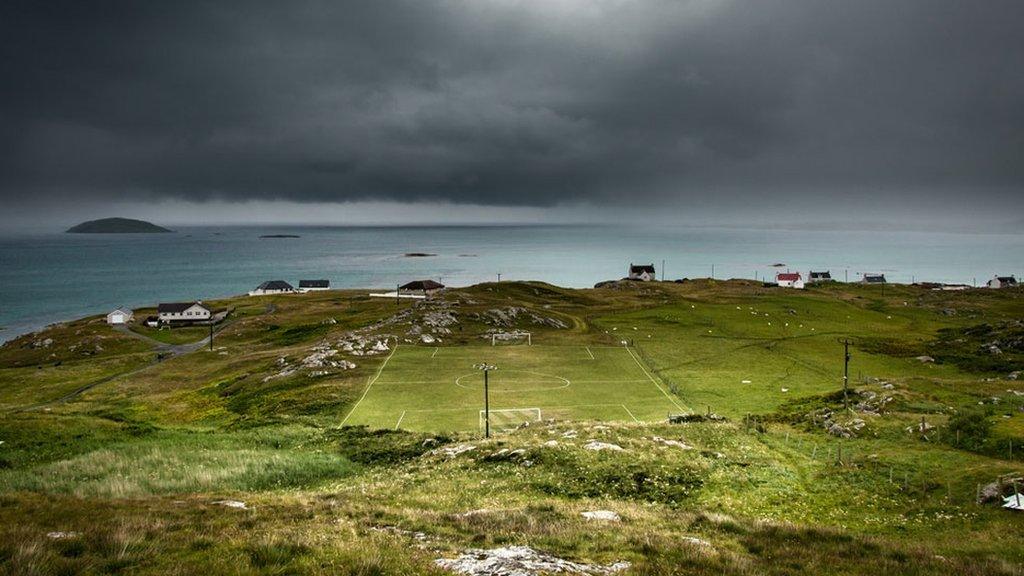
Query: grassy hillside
115, 461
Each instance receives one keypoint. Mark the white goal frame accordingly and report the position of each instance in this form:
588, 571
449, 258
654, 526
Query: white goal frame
483, 417
507, 336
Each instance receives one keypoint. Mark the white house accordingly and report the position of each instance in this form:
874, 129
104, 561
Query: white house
789, 280
178, 312
644, 273
272, 287
314, 285
120, 316
1002, 282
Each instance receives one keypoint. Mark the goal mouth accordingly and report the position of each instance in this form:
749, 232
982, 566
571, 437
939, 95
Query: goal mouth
509, 419
511, 338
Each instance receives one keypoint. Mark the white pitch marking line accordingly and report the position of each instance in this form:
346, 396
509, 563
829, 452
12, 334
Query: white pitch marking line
589, 352
368, 386
399, 423
435, 352
628, 411
655, 382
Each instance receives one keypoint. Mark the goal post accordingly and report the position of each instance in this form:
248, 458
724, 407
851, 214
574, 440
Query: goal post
511, 338
509, 419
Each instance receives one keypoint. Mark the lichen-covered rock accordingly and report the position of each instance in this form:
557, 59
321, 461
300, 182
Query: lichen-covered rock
521, 561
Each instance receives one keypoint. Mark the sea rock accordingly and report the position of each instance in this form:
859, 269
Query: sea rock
521, 561
600, 446
602, 515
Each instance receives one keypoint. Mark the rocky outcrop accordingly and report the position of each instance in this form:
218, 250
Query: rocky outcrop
521, 561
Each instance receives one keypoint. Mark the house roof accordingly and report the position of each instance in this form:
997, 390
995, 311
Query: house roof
314, 283
275, 285
877, 278
422, 285
788, 276
641, 268
120, 310
1007, 279
176, 307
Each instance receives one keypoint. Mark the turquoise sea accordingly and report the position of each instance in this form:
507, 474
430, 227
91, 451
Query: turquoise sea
45, 278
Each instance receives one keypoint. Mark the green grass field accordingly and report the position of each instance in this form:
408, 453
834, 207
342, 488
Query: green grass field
438, 389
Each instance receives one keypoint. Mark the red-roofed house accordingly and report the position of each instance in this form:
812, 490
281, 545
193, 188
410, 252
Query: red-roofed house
789, 280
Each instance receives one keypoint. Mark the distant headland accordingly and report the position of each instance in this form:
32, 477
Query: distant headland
117, 226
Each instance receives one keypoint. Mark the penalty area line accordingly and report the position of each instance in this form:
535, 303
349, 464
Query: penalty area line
368, 386
400, 418
435, 352
589, 352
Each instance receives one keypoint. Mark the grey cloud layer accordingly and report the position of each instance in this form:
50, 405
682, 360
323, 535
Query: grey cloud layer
511, 103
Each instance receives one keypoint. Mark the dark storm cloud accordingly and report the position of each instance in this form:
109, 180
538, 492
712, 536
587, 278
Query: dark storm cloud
509, 102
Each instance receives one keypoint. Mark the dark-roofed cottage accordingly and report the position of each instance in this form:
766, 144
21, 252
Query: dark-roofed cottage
425, 287
1002, 282
642, 272
272, 287
813, 276
313, 285
873, 279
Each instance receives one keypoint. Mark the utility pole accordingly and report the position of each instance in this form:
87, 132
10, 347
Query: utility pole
487, 400
211, 333
398, 294
712, 271
499, 276
846, 276
846, 372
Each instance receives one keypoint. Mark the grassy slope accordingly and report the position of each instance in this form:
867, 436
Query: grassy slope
136, 462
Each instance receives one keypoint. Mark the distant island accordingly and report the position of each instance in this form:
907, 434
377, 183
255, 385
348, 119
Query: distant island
419, 255
117, 226
280, 236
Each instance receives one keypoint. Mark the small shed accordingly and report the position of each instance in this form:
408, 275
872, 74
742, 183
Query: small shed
120, 316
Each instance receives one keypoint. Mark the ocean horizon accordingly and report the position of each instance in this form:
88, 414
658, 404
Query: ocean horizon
52, 277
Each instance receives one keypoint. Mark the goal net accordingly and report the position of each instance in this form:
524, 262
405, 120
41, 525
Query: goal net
509, 419
512, 338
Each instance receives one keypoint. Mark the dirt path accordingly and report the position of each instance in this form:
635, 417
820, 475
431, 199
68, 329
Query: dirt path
162, 349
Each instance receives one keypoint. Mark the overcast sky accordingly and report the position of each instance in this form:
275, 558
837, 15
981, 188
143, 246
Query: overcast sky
511, 109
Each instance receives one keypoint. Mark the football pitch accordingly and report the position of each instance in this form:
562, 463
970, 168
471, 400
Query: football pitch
439, 389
